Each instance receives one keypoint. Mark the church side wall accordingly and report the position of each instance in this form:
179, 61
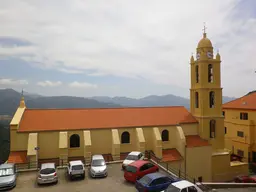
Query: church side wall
19, 141
101, 141
48, 143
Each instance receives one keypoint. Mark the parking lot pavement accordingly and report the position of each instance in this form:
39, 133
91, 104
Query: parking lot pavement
236, 190
115, 182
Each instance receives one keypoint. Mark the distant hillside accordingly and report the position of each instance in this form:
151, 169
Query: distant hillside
152, 100
9, 101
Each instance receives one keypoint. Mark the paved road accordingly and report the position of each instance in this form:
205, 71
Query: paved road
114, 183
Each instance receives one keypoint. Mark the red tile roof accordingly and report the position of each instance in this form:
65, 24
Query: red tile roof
196, 141
75, 119
171, 155
245, 102
17, 157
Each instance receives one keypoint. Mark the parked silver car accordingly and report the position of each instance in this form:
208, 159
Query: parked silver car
8, 176
47, 174
98, 167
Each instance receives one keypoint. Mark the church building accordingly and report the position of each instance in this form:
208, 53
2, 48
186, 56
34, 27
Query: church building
192, 142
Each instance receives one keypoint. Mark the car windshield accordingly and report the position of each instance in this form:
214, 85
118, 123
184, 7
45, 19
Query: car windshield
172, 188
132, 157
47, 171
145, 180
77, 167
131, 169
98, 162
6, 172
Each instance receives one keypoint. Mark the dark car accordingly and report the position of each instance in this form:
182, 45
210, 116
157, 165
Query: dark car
155, 182
8, 176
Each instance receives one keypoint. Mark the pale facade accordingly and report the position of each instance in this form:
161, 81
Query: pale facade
192, 142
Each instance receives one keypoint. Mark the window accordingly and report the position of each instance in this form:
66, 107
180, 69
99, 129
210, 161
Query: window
244, 116
165, 135
74, 141
125, 137
240, 133
196, 99
210, 73
212, 128
225, 130
200, 179
240, 153
184, 190
144, 167
223, 113
192, 189
197, 74
211, 99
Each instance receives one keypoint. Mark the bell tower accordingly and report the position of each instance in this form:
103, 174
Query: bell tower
206, 93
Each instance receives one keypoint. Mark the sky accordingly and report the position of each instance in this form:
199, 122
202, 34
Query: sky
123, 48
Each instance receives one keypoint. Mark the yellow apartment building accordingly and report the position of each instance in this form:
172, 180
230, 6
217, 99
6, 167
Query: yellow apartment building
190, 141
240, 126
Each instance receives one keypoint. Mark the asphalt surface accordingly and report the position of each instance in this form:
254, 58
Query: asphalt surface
115, 182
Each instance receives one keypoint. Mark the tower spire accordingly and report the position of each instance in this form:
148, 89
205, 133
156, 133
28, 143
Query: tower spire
204, 30
22, 100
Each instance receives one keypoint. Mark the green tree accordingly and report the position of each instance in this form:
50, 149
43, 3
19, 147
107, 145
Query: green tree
4, 144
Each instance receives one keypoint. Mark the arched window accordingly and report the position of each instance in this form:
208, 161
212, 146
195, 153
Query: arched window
212, 128
74, 141
211, 99
210, 73
197, 74
165, 135
125, 137
196, 100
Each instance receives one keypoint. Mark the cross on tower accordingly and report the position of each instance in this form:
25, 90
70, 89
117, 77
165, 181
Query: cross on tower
204, 29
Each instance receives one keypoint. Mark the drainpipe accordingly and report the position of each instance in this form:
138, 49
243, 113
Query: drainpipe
185, 161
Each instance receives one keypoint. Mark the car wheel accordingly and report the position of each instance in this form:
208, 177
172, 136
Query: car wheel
157, 169
83, 176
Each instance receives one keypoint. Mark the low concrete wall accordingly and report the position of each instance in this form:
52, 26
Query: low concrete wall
230, 185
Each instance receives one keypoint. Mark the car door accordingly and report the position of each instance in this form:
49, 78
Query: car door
192, 189
141, 156
151, 168
159, 184
143, 170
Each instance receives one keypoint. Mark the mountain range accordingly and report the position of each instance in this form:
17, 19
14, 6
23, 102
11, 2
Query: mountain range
9, 101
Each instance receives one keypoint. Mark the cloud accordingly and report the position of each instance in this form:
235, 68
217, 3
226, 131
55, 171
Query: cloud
85, 85
148, 39
70, 71
10, 82
49, 83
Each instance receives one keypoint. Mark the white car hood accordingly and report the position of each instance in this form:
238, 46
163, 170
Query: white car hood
127, 162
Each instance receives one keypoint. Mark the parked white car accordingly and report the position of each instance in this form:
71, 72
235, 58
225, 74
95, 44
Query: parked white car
47, 174
98, 167
131, 157
183, 186
76, 169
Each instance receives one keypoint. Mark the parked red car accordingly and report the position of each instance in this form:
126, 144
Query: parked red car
138, 169
245, 179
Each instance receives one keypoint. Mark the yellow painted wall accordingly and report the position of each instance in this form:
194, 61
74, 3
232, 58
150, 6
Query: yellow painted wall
190, 128
49, 145
148, 131
19, 141
233, 124
172, 137
181, 142
199, 162
128, 147
101, 141
220, 167
223, 170
76, 152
